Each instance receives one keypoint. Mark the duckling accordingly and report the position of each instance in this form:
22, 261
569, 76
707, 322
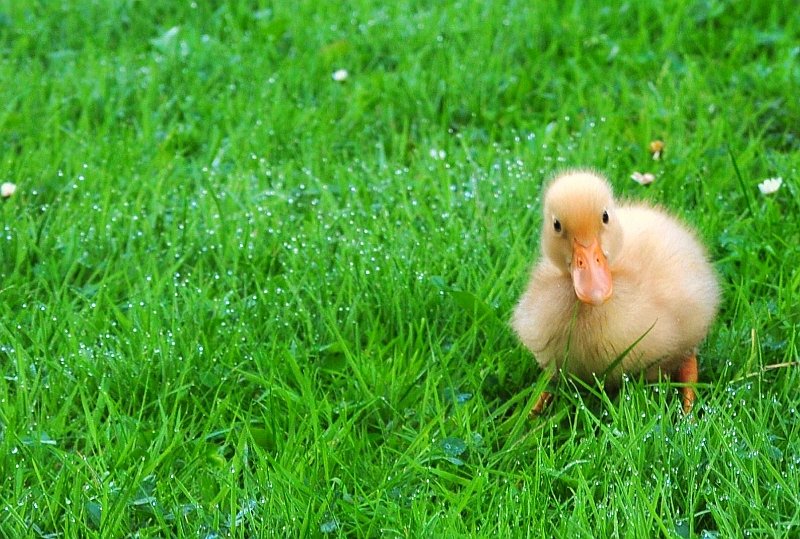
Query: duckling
615, 281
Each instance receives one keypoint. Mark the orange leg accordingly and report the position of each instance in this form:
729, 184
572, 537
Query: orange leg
687, 374
541, 403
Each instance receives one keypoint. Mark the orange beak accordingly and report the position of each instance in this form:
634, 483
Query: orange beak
590, 274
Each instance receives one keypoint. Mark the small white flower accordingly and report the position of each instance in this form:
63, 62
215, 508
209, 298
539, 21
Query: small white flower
656, 148
770, 185
7, 189
340, 75
437, 154
643, 179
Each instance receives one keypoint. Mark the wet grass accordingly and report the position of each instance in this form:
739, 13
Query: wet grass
240, 298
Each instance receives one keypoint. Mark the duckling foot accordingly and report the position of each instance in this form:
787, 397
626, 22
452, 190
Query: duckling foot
687, 374
541, 403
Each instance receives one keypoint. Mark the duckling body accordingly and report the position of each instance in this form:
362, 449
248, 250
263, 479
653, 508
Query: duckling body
614, 279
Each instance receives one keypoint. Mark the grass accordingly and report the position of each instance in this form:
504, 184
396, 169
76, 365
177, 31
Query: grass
242, 299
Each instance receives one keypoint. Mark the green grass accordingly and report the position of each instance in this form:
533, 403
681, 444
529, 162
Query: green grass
241, 299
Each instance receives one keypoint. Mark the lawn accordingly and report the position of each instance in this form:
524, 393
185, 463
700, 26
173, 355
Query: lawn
248, 294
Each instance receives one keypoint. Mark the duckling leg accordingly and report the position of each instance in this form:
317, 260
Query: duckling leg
687, 374
541, 403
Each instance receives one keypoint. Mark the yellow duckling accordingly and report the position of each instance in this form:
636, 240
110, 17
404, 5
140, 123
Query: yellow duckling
612, 277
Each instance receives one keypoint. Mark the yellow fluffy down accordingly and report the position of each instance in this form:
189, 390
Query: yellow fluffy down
665, 292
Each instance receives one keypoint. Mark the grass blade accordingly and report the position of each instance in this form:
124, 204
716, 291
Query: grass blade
742, 185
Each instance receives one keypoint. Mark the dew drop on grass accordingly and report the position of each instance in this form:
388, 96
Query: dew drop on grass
329, 526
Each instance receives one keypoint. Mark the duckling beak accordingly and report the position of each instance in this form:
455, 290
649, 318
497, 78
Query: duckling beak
590, 274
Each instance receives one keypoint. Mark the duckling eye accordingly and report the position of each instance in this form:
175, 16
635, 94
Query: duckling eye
605, 217
557, 225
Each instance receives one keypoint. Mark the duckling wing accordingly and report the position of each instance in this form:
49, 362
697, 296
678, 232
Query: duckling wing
662, 278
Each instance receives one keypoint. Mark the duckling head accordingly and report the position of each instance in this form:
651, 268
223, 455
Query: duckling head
581, 234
